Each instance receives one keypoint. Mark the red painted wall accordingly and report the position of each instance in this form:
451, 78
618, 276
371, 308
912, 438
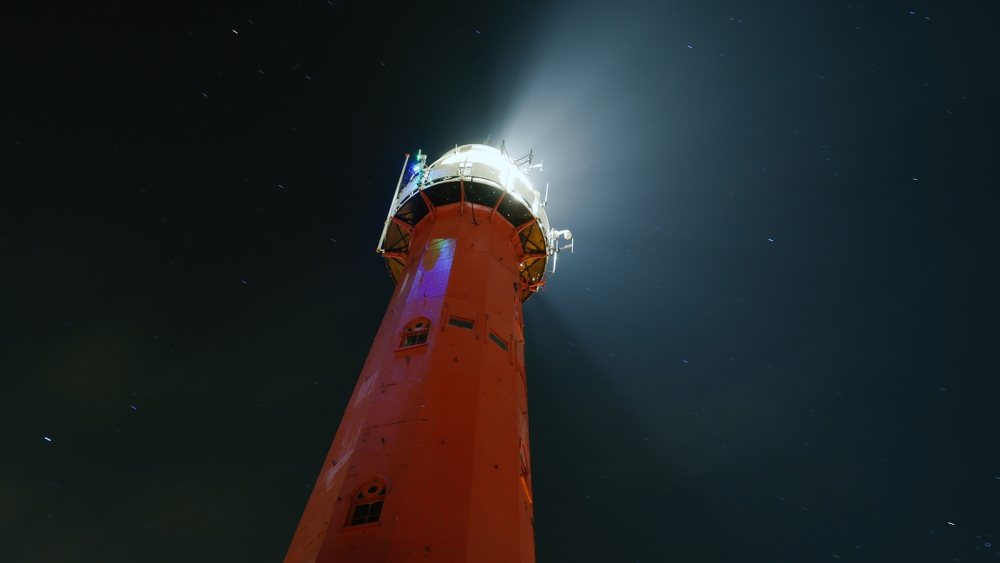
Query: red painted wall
444, 423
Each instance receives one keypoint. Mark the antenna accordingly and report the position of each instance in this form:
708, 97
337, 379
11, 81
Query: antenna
524, 163
546, 200
486, 141
399, 183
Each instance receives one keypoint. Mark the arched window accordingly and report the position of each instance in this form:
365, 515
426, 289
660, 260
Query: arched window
366, 504
415, 332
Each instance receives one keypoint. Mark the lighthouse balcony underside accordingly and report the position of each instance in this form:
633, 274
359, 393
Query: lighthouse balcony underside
484, 201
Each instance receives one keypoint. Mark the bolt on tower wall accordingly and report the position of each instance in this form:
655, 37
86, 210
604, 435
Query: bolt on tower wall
431, 459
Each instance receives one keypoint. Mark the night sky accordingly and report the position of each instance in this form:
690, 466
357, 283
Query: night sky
776, 339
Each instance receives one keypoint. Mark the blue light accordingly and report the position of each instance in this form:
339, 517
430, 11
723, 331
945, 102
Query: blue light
416, 168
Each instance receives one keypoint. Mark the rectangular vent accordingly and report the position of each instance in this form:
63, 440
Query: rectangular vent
498, 341
461, 323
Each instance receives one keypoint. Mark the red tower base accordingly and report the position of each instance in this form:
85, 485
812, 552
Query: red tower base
431, 460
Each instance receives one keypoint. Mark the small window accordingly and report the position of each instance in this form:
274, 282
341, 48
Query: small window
498, 341
366, 506
461, 323
415, 333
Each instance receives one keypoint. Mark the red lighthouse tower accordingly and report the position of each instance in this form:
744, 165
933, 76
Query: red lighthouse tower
431, 460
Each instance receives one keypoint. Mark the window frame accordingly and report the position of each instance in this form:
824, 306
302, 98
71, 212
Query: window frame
500, 342
358, 499
419, 334
461, 322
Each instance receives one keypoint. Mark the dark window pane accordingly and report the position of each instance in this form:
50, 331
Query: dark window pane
361, 511
461, 323
481, 194
414, 339
443, 193
413, 210
514, 211
396, 239
367, 513
532, 239
496, 339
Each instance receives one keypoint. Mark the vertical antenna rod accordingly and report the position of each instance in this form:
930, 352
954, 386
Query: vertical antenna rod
399, 183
